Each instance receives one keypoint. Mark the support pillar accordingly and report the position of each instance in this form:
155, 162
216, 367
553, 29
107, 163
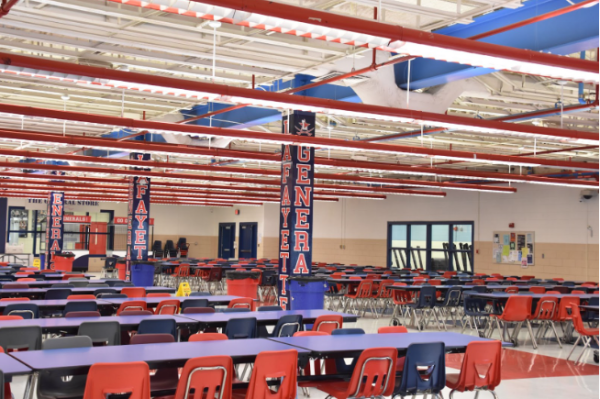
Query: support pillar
55, 212
296, 210
138, 212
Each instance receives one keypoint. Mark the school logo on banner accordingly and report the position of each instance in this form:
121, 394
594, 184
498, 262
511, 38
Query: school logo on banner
55, 213
296, 206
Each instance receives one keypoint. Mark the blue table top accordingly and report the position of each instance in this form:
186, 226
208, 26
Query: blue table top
76, 290
156, 355
271, 317
153, 301
54, 303
70, 323
504, 295
48, 283
11, 366
589, 307
331, 344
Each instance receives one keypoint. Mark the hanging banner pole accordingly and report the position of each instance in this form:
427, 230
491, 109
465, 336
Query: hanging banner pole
138, 220
296, 206
55, 213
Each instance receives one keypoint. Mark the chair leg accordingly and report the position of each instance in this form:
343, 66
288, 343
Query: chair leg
531, 334
555, 332
574, 346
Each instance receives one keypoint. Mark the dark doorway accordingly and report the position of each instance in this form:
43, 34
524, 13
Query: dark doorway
226, 240
248, 240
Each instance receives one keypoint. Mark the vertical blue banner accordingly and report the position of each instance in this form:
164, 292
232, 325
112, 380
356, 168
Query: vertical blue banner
138, 212
296, 209
55, 212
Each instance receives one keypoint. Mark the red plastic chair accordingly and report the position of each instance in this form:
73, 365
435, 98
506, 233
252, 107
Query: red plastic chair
132, 305
200, 337
14, 286
563, 315
374, 376
246, 303
361, 296
281, 365
585, 334
478, 282
25, 280
577, 292
400, 299
395, 330
558, 279
136, 313
480, 370
6, 318
210, 377
537, 290
517, 310
104, 378
158, 295
545, 312
512, 279
168, 306
512, 289
17, 299
134, 292
319, 366
165, 378
68, 276
82, 296
328, 323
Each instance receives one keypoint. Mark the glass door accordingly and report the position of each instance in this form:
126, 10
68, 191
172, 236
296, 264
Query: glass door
398, 251
418, 246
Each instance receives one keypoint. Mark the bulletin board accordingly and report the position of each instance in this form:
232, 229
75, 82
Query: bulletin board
513, 247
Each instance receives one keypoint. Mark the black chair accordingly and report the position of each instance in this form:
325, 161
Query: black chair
194, 303
158, 326
57, 293
105, 291
80, 306
55, 384
157, 249
21, 338
25, 310
170, 251
102, 333
242, 328
110, 266
287, 326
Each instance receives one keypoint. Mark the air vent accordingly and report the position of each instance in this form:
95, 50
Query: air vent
348, 81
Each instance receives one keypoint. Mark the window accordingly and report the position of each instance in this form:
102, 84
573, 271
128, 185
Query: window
436, 246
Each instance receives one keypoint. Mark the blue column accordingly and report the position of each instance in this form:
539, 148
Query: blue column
54, 226
296, 210
138, 223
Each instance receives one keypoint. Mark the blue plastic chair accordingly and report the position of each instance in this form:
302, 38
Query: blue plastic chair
449, 307
25, 310
424, 370
340, 363
57, 293
426, 306
474, 309
194, 303
287, 326
242, 328
158, 326
80, 306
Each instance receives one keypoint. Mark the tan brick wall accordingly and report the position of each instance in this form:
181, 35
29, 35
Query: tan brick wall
569, 261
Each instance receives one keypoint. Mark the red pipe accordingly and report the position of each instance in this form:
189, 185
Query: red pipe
282, 98
7, 5
399, 33
243, 134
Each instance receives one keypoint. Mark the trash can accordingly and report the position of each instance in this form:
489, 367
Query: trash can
122, 269
42, 261
142, 273
243, 283
307, 292
63, 261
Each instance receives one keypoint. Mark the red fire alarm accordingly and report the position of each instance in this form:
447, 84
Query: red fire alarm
237, 211
511, 225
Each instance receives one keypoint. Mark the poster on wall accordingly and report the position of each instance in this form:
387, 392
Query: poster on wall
513, 248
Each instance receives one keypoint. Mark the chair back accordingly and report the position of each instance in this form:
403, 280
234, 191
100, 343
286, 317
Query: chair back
328, 323
80, 306
452, 298
566, 301
241, 328
21, 338
168, 307
194, 303
546, 308
288, 325
424, 369
158, 326
82, 314
132, 305
374, 374
427, 298
57, 293
198, 310
134, 292
102, 333
537, 290
391, 330
245, 303
142, 339
112, 378
207, 337
517, 308
481, 366
25, 310
513, 289
270, 366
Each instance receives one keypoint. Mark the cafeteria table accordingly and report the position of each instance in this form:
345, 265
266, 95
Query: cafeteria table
12, 367
56, 304
589, 307
264, 318
213, 300
40, 292
352, 345
71, 324
50, 283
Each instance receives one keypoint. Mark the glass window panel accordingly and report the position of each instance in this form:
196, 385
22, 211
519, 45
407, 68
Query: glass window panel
440, 261
399, 236
462, 234
440, 235
399, 258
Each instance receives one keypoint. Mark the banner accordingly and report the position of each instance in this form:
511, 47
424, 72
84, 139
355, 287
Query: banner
296, 209
54, 226
77, 219
138, 225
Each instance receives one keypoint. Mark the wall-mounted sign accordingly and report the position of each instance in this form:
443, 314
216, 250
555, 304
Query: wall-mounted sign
67, 202
77, 219
125, 220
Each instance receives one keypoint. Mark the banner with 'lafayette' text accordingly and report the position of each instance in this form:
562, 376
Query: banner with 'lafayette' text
296, 206
138, 224
55, 213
